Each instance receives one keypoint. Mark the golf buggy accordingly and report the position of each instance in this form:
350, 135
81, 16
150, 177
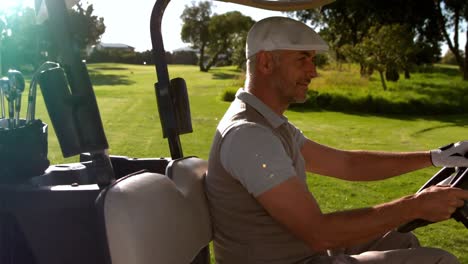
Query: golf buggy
107, 208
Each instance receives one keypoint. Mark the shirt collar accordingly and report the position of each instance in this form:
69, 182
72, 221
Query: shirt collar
274, 119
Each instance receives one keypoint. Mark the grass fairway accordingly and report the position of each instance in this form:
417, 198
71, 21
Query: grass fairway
127, 104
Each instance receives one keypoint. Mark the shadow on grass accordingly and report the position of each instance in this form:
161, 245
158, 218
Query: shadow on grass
108, 68
225, 74
109, 79
430, 70
455, 123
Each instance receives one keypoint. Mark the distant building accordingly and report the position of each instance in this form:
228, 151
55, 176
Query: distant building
109, 47
187, 49
114, 46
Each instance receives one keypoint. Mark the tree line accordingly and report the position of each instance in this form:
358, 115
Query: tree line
384, 36
188, 57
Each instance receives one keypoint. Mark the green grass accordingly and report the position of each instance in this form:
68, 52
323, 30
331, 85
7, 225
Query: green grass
431, 90
127, 104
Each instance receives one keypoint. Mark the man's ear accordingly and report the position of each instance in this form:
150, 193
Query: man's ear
265, 63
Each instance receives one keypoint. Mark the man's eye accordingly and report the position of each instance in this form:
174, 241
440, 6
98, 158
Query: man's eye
307, 59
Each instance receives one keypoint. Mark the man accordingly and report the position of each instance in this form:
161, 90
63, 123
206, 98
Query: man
261, 207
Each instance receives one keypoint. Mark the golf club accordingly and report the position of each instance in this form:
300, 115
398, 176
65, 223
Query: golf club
3, 81
8, 93
17, 86
31, 108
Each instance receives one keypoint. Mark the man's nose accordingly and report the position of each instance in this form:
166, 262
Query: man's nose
311, 70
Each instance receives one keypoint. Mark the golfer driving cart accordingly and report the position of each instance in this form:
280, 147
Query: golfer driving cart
261, 207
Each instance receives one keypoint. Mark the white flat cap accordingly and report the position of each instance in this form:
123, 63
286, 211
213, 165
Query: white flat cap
282, 33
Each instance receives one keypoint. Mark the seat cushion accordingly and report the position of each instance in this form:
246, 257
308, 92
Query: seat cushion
150, 218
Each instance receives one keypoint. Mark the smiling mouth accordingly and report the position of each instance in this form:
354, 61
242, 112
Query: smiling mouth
304, 83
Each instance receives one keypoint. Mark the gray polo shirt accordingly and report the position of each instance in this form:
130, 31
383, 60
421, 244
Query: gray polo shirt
253, 154
253, 150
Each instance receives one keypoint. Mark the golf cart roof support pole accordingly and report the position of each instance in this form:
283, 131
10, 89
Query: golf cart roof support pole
162, 87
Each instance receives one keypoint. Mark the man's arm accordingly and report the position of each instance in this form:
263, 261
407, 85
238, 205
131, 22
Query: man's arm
293, 206
361, 165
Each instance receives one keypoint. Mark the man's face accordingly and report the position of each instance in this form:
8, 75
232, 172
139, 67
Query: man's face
292, 74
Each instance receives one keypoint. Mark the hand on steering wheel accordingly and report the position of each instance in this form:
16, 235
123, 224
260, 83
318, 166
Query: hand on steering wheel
442, 202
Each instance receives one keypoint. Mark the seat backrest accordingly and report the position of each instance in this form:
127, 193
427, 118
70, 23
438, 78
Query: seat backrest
155, 218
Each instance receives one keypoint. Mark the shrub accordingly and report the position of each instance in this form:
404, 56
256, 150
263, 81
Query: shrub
184, 57
376, 104
228, 95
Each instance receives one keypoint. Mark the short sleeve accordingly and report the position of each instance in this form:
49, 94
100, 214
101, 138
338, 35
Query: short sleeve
298, 136
252, 154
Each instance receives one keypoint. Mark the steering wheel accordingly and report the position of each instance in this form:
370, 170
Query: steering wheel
455, 177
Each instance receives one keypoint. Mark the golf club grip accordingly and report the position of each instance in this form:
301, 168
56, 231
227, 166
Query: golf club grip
410, 226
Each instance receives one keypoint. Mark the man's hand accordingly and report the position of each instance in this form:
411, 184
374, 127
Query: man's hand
452, 155
438, 203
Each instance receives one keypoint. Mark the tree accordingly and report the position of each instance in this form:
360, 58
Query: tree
87, 28
23, 42
385, 47
20, 43
358, 54
348, 23
450, 15
228, 33
215, 35
196, 19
